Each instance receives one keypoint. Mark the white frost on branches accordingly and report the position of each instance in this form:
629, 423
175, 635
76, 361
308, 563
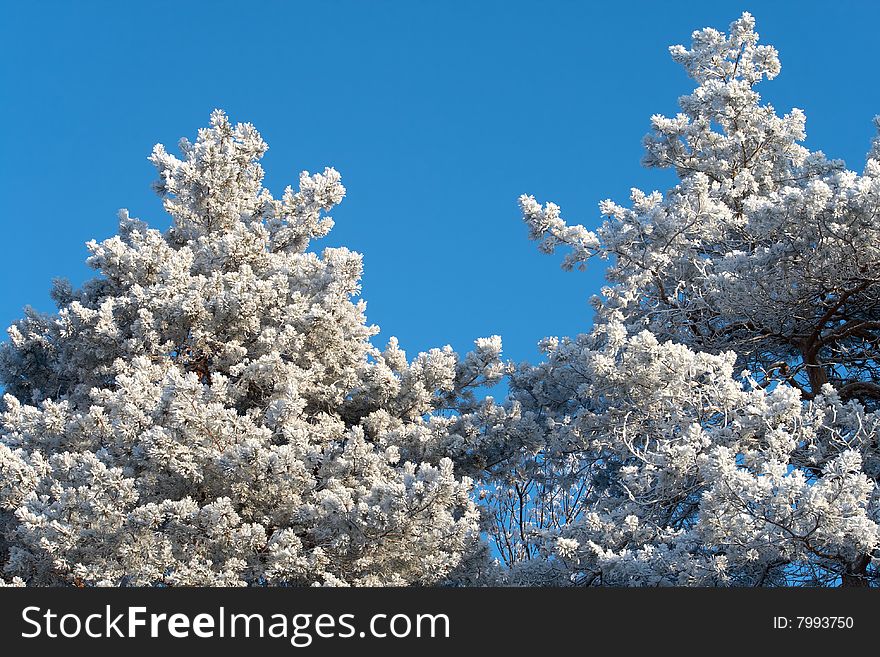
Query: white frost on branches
656, 465
763, 247
649, 459
209, 409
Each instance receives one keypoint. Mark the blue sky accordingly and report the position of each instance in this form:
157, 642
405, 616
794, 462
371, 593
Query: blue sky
437, 114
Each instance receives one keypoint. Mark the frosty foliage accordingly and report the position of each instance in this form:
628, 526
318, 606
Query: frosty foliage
652, 464
209, 409
762, 247
649, 456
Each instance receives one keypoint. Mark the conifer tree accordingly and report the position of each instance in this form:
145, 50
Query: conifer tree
209, 409
720, 424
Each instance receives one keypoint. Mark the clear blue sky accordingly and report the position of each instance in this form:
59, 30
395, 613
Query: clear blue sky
437, 114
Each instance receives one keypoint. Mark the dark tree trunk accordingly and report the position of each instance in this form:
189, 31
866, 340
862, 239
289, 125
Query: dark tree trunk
856, 574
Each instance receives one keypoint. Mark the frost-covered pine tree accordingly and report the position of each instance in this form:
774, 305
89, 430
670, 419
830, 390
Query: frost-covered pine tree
209, 409
720, 425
